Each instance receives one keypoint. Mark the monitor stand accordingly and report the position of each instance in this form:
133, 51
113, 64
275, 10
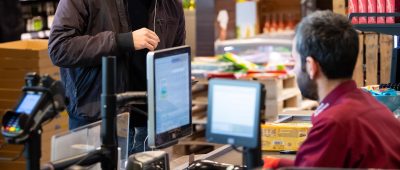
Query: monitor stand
252, 157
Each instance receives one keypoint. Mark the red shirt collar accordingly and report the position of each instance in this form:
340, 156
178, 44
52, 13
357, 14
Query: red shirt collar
341, 89
334, 95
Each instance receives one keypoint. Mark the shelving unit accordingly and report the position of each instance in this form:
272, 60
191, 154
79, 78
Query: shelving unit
37, 15
390, 29
35, 35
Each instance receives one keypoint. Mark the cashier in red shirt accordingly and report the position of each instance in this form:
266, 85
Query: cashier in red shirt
350, 128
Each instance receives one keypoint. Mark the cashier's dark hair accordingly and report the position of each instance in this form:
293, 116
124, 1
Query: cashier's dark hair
331, 40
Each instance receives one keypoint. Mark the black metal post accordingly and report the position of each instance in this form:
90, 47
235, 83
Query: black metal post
32, 152
252, 156
108, 114
395, 67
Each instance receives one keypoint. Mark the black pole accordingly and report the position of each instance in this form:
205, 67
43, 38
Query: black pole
252, 157
395, 68
108, 114
32, 152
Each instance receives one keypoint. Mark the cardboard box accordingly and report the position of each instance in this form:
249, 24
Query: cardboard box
372, 9
18, 58
362, 8
283, 136
380, 8
353, 8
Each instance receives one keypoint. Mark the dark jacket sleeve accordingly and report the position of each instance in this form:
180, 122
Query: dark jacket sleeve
69, 46
181, 35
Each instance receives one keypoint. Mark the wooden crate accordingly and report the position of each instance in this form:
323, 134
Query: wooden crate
281, 92
279, 88
290, 99
374, 59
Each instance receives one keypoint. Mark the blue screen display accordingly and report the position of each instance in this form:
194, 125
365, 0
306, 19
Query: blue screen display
234, 110
28, 103
172, 92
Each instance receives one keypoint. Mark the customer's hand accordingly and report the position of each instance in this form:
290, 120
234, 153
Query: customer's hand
145, 38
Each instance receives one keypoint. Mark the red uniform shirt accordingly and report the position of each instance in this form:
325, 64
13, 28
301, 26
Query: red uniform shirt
351, 129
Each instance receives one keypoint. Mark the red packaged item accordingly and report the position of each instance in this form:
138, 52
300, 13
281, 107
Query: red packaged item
362, 8
353, 8
372, 9
392, 6
380, 8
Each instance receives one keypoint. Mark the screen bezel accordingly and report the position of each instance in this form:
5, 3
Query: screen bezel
250, 142
171, 136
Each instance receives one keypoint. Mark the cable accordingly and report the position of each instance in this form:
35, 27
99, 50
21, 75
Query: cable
155, 16
144, 143
236, 149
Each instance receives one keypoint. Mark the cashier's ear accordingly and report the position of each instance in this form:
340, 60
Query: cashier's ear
312, 67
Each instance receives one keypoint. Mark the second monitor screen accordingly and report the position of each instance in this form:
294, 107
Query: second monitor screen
172, 84
233, 109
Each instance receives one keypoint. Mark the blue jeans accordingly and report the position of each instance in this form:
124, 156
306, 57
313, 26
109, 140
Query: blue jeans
137, 135
75, 123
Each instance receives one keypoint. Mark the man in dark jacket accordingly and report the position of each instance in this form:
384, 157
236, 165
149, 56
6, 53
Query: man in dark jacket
85, 30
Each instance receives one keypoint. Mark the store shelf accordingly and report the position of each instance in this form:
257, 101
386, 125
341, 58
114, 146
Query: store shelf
35, 35
390, 29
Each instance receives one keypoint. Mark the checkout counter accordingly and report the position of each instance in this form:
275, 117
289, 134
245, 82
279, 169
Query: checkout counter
87, 138
227, 154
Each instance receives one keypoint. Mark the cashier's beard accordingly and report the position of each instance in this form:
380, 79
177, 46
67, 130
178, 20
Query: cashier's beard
308, 87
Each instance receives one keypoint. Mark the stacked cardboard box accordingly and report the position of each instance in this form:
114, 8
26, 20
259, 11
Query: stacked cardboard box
16, 59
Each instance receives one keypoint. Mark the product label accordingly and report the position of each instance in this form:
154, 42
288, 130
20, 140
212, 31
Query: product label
380, 8
362, 8
390, 9
353, 8
372, 9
